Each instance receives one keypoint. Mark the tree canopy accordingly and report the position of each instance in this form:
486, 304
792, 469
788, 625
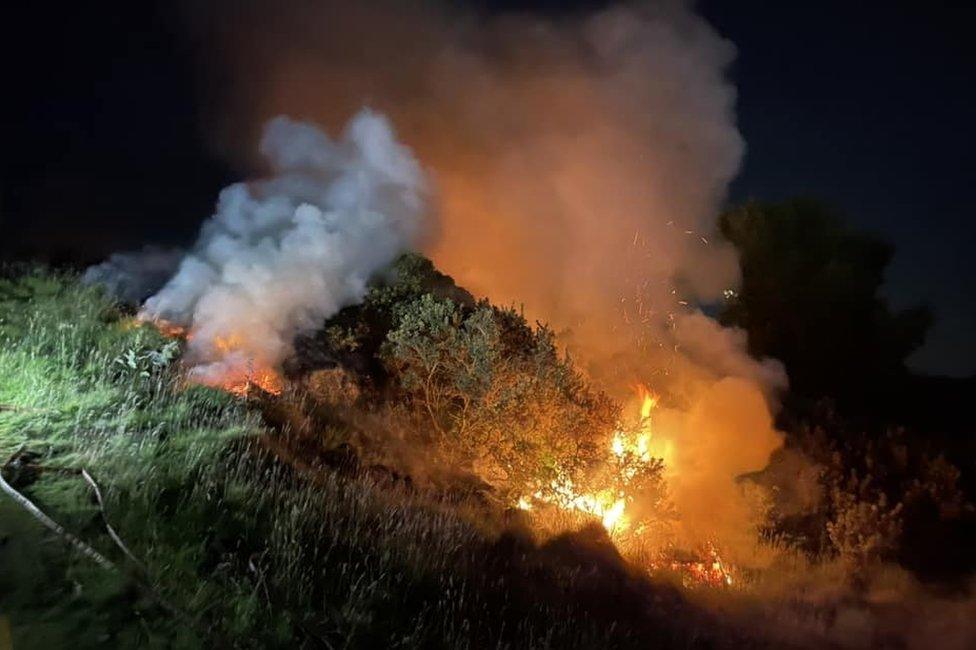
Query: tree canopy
810, 296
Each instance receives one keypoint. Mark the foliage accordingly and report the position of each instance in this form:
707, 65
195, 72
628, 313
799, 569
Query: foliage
249, 551
865, 528
810, 297
496, 393
882, 497
145, 363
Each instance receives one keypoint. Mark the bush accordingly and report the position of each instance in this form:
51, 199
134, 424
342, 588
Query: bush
495, 393
865, 527
879, 496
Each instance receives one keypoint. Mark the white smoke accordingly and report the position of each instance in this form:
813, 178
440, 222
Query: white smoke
282, 254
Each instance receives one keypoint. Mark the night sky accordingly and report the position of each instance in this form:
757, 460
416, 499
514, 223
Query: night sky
869, 108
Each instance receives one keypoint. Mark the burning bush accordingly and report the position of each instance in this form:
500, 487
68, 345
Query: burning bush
451, 389
495, 393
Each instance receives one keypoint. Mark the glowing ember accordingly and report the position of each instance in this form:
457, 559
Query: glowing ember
708, 570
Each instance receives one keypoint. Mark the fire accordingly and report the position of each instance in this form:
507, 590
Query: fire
264, 379
705, 569
170, 330
629, 453
606, 505
648, 401
242, 383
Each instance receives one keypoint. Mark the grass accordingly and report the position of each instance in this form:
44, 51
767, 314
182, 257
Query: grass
240, 549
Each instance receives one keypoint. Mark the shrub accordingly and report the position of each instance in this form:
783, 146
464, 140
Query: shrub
865, 527
879, 496
496, 394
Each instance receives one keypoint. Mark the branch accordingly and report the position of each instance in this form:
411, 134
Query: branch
111, 531
145, 578
84, 548
36, 512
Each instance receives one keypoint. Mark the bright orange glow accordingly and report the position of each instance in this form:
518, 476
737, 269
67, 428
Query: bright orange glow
606, 505
648, 401
241, 383
629, 452
170, 330
710, 571
266, 380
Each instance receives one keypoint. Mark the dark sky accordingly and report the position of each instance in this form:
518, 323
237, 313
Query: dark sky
871, 107
868, 107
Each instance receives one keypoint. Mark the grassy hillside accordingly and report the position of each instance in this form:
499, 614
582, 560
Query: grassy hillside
200, 522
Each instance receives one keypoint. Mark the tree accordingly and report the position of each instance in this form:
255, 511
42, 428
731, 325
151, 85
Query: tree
810, 297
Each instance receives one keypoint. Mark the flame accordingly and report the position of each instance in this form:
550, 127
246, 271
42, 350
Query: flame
614, 516
648, 401
708, 569
606, 505
628, 452
241, 383
264, 379
170, 330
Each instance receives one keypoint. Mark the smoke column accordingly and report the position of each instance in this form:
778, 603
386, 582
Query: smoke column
580, 160
282, 254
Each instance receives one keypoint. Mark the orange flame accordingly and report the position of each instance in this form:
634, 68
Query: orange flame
648, 401
265, 379
170, 330
628, 453
242, 384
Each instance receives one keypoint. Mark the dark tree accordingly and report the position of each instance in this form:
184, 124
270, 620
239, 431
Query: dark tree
810, 297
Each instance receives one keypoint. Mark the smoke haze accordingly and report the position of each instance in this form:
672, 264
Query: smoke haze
580, 162
135, 275
577, 164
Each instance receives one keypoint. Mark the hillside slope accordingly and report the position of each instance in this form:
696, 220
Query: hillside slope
201, 519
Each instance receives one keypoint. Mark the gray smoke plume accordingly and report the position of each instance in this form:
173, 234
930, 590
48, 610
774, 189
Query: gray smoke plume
282, 254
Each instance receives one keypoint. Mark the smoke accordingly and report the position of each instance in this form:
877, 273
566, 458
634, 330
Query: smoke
282, 254
580, 162
581, 159
135, 275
